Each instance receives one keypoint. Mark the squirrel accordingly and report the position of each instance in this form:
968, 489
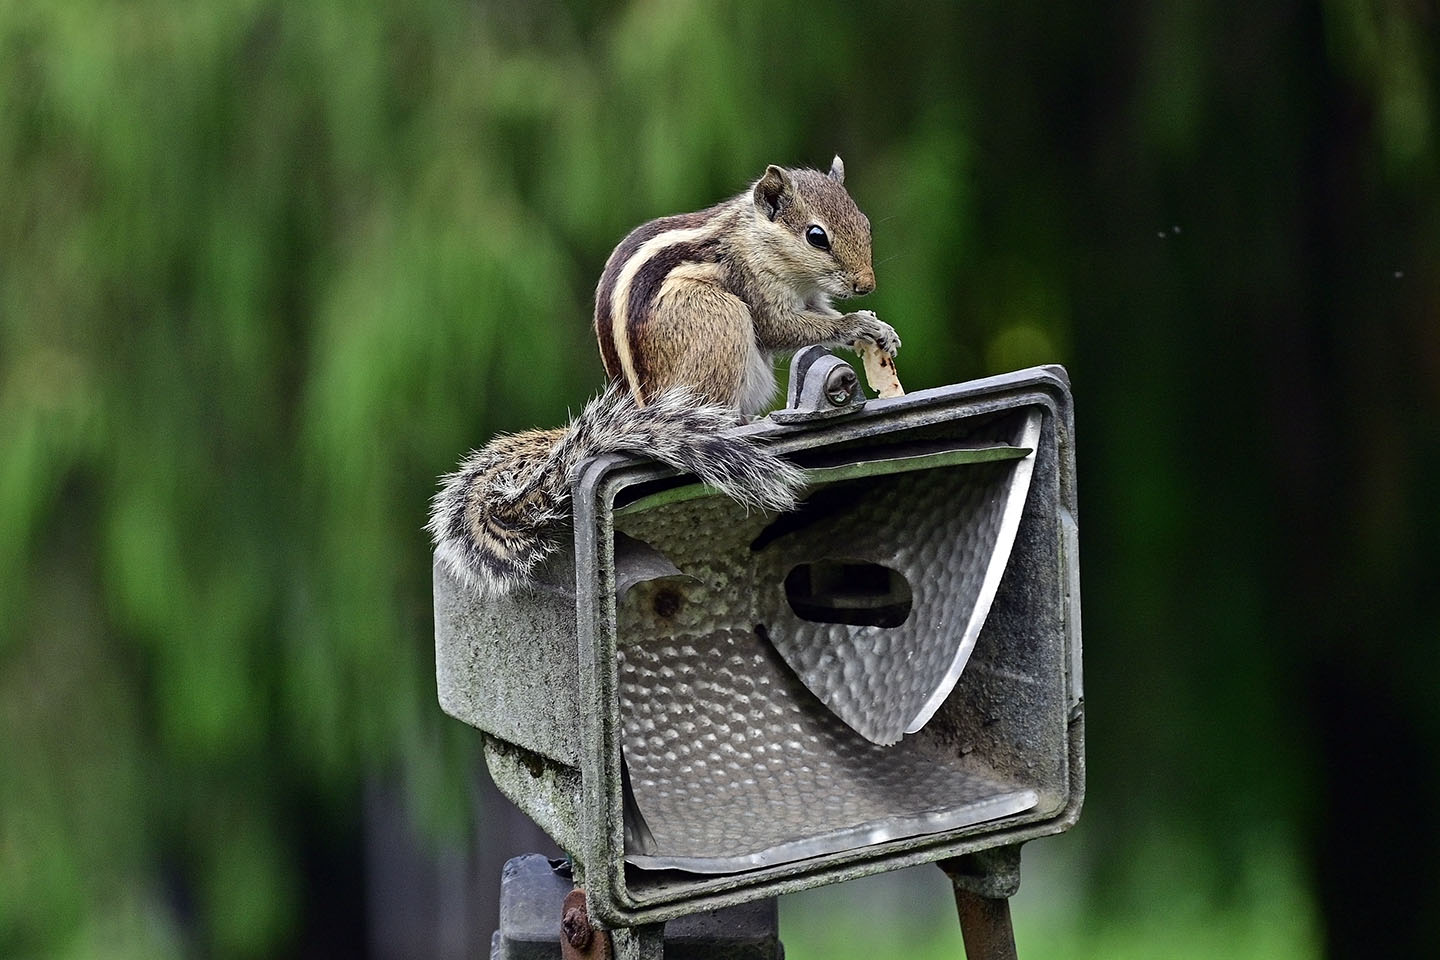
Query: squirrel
690, 312
707, 299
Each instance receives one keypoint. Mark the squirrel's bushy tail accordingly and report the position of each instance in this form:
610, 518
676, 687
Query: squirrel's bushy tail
492, 519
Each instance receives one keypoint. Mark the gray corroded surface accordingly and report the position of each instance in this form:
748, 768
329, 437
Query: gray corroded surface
508, 665
1007, 706
735, 766
549, 793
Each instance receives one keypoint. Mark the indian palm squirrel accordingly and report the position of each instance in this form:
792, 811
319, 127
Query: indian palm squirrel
690, 312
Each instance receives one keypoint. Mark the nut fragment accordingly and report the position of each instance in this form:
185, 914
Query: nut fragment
879, 370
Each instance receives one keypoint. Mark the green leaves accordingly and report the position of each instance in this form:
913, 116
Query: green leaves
267, 269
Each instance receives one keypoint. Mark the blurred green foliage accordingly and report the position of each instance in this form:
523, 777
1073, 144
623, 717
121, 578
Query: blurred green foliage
266, 269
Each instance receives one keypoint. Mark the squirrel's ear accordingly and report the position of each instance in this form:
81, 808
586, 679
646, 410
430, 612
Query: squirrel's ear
772, 193
837, 170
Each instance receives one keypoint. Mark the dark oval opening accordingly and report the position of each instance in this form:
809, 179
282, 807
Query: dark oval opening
848, 591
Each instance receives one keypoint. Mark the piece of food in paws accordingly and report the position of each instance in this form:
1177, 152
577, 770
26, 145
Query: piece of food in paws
880, 370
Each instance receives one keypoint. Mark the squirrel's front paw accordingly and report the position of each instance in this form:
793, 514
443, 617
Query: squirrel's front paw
869, 327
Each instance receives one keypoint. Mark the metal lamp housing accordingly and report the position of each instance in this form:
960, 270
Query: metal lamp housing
705, 706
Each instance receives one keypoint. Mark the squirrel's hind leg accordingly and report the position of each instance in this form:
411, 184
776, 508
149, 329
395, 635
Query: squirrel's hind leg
700, 336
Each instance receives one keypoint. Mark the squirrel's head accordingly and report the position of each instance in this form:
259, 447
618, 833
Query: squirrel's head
812, 226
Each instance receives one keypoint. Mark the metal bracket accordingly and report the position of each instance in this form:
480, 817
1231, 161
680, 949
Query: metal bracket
993, 873
821, 386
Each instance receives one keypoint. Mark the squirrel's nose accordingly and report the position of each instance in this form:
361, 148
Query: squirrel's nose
864, 283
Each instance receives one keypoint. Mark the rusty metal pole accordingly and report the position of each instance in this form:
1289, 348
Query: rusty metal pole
984, 883
985, 926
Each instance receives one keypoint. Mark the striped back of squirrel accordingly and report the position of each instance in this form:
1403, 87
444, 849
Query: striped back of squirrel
638, 268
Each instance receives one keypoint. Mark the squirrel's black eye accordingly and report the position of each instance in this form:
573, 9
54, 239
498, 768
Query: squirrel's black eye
817, 238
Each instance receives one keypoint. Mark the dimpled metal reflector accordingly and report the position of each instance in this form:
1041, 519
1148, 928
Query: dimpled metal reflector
949, 533
734, 766
733, 762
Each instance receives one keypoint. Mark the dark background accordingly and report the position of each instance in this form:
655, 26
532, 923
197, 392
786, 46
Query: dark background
267, 269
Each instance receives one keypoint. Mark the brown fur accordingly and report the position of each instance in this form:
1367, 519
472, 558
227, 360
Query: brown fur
706, 299
494, 519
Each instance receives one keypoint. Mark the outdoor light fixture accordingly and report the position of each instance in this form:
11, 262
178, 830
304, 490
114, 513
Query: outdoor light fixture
706, 706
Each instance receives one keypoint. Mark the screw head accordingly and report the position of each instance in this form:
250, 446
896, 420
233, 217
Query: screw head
840, 385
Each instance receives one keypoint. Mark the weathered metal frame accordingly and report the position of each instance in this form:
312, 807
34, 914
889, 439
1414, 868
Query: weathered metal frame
584, 812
